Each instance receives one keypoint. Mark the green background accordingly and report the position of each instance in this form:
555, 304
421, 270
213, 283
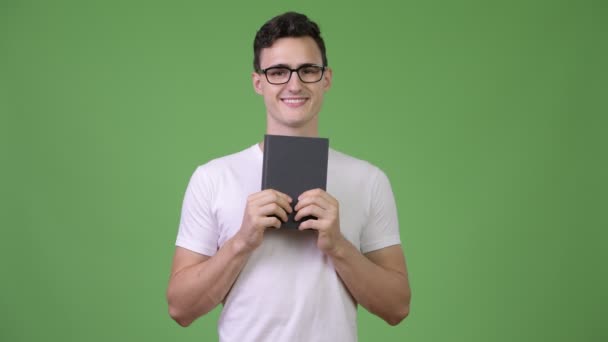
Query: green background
490, 118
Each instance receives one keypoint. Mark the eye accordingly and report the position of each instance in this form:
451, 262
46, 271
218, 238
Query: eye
311, 70
278, 72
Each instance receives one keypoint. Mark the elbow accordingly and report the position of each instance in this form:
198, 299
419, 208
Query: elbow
400, 312
398, 316
176, 311
183, 323
179, 317
185, 313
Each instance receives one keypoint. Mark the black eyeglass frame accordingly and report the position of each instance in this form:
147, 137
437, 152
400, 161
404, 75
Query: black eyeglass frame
296, 70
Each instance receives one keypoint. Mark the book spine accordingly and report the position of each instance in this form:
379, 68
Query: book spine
265, 163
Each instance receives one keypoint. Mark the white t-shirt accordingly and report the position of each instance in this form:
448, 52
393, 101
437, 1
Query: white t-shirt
288, 290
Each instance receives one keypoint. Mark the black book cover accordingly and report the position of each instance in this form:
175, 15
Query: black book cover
293, 165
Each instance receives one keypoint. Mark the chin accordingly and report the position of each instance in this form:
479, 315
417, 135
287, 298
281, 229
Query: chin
293, 119
298, 121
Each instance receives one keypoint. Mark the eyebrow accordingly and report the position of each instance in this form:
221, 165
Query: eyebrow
282, 65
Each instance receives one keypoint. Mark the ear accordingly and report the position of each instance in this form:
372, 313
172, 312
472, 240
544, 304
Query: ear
257, 82
327, 78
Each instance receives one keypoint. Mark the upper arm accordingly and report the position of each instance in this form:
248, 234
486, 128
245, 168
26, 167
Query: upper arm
381, 228
390, 258
198, 228
184, 258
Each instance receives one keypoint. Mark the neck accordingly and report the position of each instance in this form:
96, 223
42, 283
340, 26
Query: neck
311, 131
305, 129
294, 131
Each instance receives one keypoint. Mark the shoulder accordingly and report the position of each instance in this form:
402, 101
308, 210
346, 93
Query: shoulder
237, 159
216, 169
346, 164
346, 172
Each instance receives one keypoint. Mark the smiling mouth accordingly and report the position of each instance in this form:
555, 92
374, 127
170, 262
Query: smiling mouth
294, 102
298, 100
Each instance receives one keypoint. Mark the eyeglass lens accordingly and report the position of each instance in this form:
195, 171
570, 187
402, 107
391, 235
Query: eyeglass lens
307, 74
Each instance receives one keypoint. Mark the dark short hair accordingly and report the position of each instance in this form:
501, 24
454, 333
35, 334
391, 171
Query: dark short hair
289, 24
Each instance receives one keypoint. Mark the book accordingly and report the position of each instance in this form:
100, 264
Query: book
293, 165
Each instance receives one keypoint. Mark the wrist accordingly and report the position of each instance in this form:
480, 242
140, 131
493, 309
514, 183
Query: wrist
239, 246
339, 249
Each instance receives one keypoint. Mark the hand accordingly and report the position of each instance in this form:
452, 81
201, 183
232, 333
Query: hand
261, 206
325, 208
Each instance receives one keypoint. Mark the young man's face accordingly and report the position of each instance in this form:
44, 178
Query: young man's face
295, 105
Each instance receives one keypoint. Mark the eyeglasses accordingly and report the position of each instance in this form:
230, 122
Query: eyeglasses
308, 73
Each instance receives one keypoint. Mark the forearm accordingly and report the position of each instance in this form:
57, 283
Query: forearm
382, 291
198, 289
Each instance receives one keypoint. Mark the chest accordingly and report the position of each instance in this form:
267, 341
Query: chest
237, 185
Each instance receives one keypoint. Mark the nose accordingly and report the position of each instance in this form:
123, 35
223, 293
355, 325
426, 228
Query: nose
294, 84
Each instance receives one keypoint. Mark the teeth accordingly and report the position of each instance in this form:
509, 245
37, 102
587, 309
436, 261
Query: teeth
294, 100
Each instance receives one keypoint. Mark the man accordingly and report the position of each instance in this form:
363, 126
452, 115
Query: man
281, 284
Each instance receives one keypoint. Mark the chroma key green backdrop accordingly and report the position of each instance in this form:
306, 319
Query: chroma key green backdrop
490, 118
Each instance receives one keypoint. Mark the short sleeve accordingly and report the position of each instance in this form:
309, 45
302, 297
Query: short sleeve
382, 227
198, 230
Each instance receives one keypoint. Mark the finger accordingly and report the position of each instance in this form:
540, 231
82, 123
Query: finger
310, 200
282, 203
310, 210
312, 192
273, 196
270, 222
318, 193
268, 195
286, 205
309, 224
284, 196
273, 209
257, 195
